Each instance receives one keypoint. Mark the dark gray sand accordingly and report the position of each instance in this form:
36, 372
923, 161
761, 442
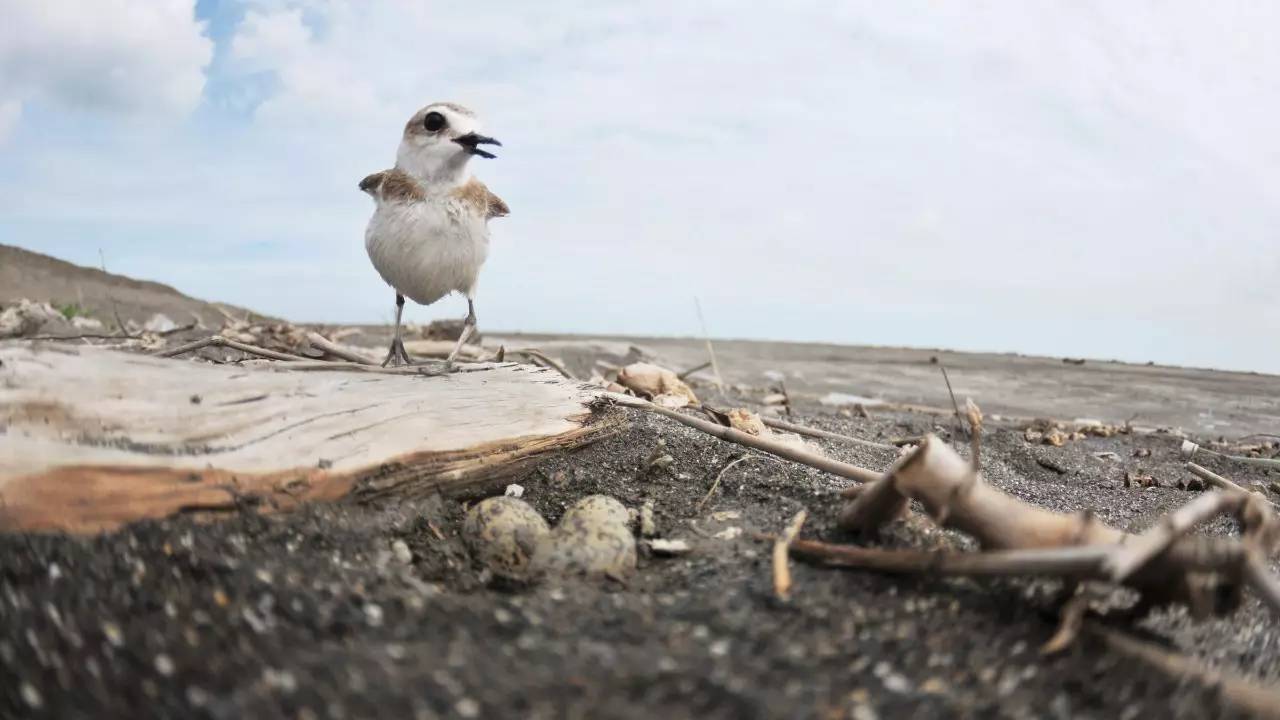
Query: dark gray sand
311, 615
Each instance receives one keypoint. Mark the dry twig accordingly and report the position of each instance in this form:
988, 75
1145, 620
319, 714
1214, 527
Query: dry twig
825, 434
781, 570
769, 445
1258, 701
541, 358
220, 341
693, 370
336, 350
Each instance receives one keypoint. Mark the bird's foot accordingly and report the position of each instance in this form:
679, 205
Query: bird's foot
396, 355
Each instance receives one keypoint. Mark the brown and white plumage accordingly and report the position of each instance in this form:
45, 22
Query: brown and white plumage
429, 232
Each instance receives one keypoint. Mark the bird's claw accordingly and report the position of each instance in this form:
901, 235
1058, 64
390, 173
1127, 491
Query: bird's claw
396, 355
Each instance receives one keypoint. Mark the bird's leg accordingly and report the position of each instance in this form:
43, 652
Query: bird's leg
468, 327
396, 355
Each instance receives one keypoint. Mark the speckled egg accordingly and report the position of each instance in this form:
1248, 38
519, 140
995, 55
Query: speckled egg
502, 534
597, 509
586, 545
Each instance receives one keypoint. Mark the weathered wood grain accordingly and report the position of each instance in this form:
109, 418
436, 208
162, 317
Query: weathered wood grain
91, 438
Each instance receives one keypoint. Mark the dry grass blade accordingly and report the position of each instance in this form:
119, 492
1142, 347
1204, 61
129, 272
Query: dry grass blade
716, 484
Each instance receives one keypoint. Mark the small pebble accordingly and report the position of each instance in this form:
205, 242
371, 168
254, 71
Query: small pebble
31, 696
373, 614
467, 708
113, 633
164, 665
401, 550
514, 490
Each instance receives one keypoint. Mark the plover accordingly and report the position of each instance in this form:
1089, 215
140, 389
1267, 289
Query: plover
429, 232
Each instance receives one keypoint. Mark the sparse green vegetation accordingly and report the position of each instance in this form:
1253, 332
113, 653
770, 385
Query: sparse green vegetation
71, 310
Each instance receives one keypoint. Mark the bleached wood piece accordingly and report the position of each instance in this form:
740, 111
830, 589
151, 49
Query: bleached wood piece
95, 438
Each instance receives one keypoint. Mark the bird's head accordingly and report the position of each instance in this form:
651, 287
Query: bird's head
439, 140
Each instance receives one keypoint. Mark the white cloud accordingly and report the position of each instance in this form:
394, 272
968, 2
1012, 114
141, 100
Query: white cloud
125, 56
1074, 178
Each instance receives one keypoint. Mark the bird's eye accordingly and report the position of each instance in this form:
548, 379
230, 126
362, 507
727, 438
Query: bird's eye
434, 122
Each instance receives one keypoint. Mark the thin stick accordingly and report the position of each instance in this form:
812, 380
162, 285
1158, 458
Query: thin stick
711, 351
1214, 478
782, 571
1257, 700
954, 404
773, 447
716, 484
1262, 581
115, 309
337, 350
1189, 449
220, 341
1138, 551
694, 369
1075, 561
815, 432
81, 336
538, 355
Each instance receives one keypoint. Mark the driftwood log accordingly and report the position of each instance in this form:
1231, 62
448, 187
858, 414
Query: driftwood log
91, 438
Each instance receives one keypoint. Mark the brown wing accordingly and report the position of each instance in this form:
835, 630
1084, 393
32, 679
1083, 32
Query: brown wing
477, 195
371, 182
392, 185
497, 206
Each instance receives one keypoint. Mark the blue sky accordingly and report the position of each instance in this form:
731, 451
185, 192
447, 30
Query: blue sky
1068, 178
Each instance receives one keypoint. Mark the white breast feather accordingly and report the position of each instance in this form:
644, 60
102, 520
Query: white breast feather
429, 248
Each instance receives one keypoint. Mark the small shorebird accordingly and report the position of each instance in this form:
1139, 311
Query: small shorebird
429, 233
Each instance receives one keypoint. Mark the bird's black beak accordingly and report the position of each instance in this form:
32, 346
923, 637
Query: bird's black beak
472, 141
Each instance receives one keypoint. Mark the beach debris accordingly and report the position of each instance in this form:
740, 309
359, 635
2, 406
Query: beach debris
84, 322
659, 459
658, 384
648, 526
514, 490
502, 534
26, 318
746, 421
1189, 450
1058, 433
662, 546
159, 323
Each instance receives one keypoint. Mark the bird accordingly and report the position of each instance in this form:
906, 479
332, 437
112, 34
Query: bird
429, 233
